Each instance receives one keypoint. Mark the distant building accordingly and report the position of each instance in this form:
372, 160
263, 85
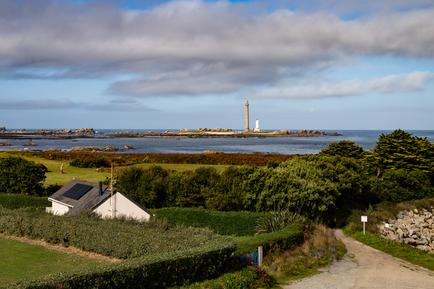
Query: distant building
246, 117
257, 129
79, 197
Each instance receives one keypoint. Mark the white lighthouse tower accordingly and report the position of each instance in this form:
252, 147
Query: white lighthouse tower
257, 129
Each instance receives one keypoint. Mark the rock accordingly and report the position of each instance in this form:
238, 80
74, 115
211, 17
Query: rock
414, 227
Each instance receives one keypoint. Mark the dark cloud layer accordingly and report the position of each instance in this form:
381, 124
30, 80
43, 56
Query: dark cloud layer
195, 48
53, 104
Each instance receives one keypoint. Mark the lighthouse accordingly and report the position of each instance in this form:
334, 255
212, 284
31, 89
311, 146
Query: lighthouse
246, 117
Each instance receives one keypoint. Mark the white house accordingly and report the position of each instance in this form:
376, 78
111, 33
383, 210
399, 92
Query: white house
79, 197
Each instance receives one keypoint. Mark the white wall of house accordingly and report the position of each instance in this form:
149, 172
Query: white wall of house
58, 208
123, 207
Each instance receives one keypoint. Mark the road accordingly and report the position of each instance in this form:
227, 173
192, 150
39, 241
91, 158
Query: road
366, 268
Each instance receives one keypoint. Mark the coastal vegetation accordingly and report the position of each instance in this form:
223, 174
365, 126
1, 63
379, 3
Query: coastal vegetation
21, 176
205, 214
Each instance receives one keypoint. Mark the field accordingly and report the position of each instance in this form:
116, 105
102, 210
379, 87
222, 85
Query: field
91, 174
20, 261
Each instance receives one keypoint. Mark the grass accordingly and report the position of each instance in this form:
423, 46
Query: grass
15, 201
286, 238
91, 174
319, 249
402, 251
20, 261
224, 223
247, 278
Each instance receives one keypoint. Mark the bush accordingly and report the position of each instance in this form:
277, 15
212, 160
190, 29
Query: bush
20, 176
402, 185
283, 239
224, 223
14, 201
118, 238
313, 186
248, 278
277, 220
90, 163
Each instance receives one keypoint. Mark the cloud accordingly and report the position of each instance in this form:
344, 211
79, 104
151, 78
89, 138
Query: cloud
53, 104
195, 47
324, 89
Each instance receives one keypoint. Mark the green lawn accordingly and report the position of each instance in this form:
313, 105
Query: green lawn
20, 261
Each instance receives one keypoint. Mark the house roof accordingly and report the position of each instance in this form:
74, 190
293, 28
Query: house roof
72, 195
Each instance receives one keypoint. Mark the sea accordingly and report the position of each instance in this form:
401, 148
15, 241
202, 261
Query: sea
274, 145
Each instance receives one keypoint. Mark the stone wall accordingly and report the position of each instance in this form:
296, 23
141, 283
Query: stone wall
414, 227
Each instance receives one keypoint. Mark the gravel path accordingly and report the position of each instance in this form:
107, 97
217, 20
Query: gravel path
367, 268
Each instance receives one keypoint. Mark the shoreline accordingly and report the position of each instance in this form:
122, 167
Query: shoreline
55, 134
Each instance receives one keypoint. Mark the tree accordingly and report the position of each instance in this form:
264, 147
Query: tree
20, 176
401, 150
344, 148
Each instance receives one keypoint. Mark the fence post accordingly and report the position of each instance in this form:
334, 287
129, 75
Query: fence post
260, 255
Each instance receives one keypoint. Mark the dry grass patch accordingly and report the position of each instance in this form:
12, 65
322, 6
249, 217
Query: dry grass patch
319, 249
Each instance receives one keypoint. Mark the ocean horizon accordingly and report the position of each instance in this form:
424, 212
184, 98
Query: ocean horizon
275, 145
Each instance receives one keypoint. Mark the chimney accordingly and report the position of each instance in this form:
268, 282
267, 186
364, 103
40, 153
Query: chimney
101, 191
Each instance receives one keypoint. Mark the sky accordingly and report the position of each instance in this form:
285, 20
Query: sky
320, 64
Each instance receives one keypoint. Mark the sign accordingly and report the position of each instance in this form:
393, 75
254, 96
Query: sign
364, 219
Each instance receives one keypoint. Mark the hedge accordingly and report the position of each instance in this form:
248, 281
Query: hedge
156, 271
284, 239
118, 238
224, 223
15, 201
247, 278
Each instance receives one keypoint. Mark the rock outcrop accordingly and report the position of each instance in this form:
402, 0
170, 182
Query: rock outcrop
413, 227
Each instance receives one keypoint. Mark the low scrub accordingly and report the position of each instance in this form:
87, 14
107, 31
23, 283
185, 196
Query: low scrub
14, 201
248, 278
224, 223
90, 163
383, 212
319, 249
283, 239
117, 238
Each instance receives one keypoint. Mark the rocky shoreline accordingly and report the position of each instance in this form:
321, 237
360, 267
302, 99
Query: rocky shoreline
184, 133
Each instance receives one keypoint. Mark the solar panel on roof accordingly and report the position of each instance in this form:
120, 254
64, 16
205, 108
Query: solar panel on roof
77, 191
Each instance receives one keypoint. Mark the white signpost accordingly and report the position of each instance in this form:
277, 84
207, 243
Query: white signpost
364, 220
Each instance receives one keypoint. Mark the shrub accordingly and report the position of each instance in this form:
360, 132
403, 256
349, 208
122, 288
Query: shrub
402, 185
283, 239
20, 176
277, 220
224, 223
248, 278
14, 201
312, 186
90, 163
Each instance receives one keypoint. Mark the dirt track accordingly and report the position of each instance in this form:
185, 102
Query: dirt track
367, 268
